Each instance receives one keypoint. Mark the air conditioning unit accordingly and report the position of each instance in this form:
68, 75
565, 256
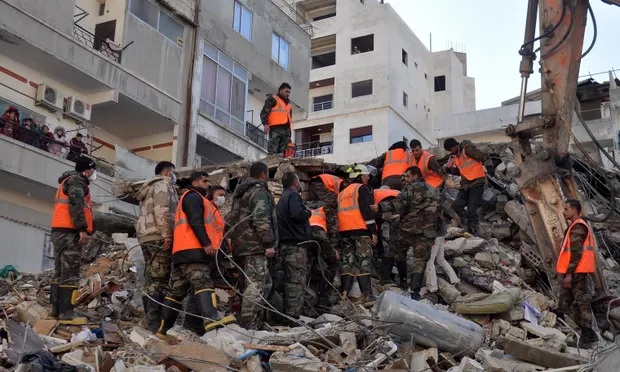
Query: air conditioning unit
49, 97
77, 109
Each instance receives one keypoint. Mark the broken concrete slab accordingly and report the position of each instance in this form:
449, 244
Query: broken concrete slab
298, 358
140, 336
419, 358
460, 246
447, 291
495, 303
194, 355
30, 312
543, 332
491, 363
485, 260
540, 355
19, 339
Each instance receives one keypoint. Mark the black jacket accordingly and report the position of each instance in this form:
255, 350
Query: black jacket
193, 207
293, 218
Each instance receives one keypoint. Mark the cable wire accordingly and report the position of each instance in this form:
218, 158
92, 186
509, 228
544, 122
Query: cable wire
551, 31
595, 31
568, 31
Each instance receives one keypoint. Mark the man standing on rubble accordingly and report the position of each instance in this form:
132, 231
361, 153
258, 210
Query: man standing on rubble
326, 187
277, 115
468, 163
293, 229
418, 207
358, 230
252, 225
432, 172
198, 233
72, 223
576, 264
155, 227
393, 162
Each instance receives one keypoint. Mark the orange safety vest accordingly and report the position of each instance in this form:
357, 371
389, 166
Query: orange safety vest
470, 169
280, 114
318, 218
587, 263
349, 213
395, 164
430, 177
380, 195
184, 237
332, 183
61, 218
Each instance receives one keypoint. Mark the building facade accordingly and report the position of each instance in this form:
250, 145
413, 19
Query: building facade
373, 82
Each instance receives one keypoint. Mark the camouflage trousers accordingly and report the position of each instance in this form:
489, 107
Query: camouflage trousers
356, 256
578, 296
196, 275
391, 246
67, 257
258, 287
421, 245
296, 277
158, 265
278, 139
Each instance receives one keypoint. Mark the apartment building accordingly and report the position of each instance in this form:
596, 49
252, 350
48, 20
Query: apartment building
115, 71
245, 50
373, 82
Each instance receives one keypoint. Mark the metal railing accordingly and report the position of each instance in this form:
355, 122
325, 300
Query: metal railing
293, 14
315, 148
88, 39
320, 106
256, 135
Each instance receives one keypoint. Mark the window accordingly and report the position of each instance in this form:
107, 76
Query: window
102, 9
361, 88
358, 135
321, 103
242, 21
223, 89
280, 50
405, 99
318, 18
440, 83
363, 44
324, 60
150, 14
405, 58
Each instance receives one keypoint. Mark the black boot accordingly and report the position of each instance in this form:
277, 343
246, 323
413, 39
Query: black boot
169, 315
207, 302
402, 273
152, 311
385, 270
325, 290
416, 284
346, 283
67, 295
193, 323
366, 287
54, 300
588, 337
473, 227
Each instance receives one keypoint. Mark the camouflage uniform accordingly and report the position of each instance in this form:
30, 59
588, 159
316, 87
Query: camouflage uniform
279, 137
356, 255
296, 274
197, 275
252, 224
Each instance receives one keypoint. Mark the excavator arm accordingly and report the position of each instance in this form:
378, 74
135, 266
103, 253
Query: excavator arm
544, 176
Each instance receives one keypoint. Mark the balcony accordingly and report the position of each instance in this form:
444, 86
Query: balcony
312, 149
294, 15
256, 135
91, 41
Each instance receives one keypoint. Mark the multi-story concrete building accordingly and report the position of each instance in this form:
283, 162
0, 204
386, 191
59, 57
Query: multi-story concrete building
373, 82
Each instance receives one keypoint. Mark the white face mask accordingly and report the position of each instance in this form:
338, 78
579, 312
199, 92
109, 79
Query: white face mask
93, 176
219, 201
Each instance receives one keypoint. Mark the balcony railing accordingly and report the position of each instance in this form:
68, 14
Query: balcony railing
256, 135
320, 106
312, 149
88, 39
293, 14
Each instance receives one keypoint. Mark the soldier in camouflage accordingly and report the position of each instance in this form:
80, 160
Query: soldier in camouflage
278, 122
155, 227
418, 207
252, 227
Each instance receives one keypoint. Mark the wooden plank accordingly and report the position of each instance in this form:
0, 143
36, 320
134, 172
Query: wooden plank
281, 348
66, 347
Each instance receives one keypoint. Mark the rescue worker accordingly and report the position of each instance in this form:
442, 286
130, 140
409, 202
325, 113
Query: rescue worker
389, 229
358, 232
277, 115
576, 264
72, 223
467, 163
155, 227
293, 229
394, 163
418, 207
198, 233
432, 172
325, 187
252, 223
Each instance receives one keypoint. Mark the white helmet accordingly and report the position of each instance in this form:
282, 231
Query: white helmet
358, 170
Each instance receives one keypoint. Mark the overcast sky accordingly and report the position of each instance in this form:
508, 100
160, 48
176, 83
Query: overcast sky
491, 32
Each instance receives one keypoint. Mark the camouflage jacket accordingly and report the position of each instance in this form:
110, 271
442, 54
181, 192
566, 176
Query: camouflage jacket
158, 203
418, 207
252, 223
331, 215
76, 187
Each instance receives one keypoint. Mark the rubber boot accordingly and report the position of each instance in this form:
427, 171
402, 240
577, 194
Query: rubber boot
416, 284
54, 300
325, 290
207, 302
67, 295
193, 323
385, 270
402, 273
152, 311
473, 227
169, 315
588, 338
346, 282
366, 288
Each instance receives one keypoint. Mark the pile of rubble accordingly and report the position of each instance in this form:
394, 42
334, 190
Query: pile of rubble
501, 319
